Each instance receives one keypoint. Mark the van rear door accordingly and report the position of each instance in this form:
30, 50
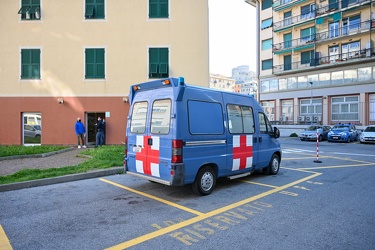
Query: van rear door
149, 134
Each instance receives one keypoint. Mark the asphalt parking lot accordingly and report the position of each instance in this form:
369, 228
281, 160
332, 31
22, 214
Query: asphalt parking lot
308, 205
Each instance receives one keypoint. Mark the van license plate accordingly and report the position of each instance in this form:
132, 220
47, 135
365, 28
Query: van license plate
137, 149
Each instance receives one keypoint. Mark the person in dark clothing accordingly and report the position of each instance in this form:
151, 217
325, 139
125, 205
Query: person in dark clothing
100, 132
80, 132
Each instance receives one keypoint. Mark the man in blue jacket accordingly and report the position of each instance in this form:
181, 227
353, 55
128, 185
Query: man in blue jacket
80, 132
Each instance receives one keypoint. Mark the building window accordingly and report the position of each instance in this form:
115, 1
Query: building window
269, 109
94, 9
266, 4
372, 108
307, 57
267, 64
364, 74
267, 44
158, 9
158, 63
287, 110
308, 11
266, 24
30, 64
95, 66
345, 108
308, 35
351, 50
30, 10
311, 106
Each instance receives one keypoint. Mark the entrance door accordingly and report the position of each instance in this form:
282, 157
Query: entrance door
32, 128
92, 119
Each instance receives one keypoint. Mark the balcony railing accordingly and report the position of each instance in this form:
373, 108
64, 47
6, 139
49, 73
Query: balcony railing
349, 30
293, 20
338, 5
329, 60
320, 10
346, 31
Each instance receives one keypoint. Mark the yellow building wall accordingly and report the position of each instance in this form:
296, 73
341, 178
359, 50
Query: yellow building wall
126, 33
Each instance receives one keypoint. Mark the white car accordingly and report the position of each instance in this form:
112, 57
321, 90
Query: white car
368, 135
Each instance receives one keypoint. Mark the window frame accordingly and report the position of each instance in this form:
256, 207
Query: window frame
94, 5
242, 119
158, 62
30, 10
32, 63
96, 63
156, 6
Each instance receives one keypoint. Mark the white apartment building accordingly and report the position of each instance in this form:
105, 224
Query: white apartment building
316, 60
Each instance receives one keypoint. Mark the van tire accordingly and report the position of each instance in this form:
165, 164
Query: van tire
274, 166
205, 181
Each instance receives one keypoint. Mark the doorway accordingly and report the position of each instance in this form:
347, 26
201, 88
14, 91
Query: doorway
31, 128
91, 121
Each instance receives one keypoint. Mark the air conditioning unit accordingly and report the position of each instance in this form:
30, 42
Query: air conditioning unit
317, 118
282, 118
309, 118
301, 118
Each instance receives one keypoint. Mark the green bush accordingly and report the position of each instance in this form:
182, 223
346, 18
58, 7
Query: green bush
293, 135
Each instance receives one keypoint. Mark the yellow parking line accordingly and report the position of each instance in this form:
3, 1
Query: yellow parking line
153, 197
201, 217
259, 184
4, 241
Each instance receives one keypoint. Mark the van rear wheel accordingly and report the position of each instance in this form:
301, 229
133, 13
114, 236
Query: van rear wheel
205, 181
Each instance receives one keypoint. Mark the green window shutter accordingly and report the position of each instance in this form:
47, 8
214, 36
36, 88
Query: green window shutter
153, 9
30, 64
267, 64
99, 10
158, 63
164, 8
100, 63
158, 9
90, 63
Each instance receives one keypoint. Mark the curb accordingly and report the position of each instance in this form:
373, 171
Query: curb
61, 179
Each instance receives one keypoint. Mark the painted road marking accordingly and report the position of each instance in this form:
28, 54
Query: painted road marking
4, 241
202, 216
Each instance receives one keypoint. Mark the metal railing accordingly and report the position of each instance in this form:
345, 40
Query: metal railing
348, 30
339, 58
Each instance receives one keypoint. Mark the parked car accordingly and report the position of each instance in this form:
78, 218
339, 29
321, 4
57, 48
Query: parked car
310, 133
368, 135
30, 131
343, 133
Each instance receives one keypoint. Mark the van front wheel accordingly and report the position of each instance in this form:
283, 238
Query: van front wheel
274, 166
205, 181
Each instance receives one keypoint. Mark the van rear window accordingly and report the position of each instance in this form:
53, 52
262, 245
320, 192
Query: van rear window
138, 118
161, 116
205, 118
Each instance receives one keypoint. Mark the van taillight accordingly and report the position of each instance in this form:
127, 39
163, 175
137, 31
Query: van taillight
176, 151
125, 150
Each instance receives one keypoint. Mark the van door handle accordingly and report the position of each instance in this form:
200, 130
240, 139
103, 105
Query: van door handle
149, 141
255, 140
260, 139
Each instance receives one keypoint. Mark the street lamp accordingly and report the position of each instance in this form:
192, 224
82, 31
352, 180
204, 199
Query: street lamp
311, 101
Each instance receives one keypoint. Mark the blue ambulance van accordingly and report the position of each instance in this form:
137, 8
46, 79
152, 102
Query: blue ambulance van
179, 134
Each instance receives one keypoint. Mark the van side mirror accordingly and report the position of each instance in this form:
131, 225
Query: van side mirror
275, 133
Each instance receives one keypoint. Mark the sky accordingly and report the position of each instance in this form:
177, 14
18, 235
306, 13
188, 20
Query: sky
232, 32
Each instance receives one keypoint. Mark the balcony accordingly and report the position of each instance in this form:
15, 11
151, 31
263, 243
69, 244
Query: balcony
295, 44
349, 30
328, 61
292, 21
310, 41
284, 4
340, 5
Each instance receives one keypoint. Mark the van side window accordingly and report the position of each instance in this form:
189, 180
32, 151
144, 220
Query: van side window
205, 118
264, 124
138, 118
240, 119
161, 116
